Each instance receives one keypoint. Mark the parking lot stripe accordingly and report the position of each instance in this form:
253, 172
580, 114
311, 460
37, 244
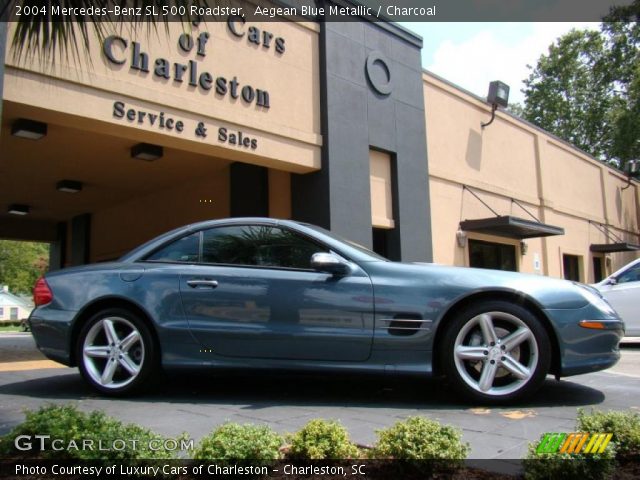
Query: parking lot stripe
30, 365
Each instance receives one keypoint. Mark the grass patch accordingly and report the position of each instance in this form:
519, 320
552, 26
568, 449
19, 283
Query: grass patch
10, 328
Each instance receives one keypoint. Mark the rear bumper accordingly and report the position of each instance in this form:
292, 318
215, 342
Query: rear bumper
51, 330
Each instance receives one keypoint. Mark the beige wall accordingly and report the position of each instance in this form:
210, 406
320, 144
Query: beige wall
511, 159
136, 221
83, 91
279, 194
89, 139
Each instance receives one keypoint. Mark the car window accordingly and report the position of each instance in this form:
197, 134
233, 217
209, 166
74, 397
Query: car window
356, 246
630, 275
256, 245
183, 250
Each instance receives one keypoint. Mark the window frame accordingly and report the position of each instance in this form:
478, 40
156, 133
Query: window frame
632, 268
499, 244
164, 245
568, 256
324, 247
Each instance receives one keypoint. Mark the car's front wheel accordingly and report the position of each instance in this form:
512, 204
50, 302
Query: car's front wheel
496, 352
115, 351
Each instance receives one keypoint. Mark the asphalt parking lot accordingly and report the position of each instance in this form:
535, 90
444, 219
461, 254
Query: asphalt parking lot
195, 403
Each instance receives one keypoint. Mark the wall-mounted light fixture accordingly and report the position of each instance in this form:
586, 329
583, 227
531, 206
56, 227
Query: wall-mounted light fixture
25, 128
498, 96
17, 209
631, 170
69, 186
523, 248
146, 151
461, 238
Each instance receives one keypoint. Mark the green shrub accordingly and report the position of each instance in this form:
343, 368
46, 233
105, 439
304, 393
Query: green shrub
322, 439
579, 466
417, 439
234, 442
73, 427
625, 427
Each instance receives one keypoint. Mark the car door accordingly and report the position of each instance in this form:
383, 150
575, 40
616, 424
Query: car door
254, 295
623, 294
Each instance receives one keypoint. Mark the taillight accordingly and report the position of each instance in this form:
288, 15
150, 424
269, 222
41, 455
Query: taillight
41, 293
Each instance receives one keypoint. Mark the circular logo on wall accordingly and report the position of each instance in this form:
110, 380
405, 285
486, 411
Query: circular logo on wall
379, 73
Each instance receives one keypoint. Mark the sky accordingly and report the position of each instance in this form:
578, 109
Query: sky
471, 55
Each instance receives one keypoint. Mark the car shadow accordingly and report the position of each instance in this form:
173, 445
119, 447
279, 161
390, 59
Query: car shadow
257, 390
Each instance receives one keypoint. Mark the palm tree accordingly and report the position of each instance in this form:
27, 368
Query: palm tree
48, 33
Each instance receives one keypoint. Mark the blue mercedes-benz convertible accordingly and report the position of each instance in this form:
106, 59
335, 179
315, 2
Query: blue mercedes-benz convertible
274, 294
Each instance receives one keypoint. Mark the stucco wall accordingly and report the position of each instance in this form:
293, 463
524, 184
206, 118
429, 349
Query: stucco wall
511, 159
136, 221
81, 92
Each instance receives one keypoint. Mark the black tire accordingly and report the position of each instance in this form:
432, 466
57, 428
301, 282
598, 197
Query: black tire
117, 367
467, 353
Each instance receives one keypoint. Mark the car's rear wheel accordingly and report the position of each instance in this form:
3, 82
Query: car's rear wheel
495, 352
116, 352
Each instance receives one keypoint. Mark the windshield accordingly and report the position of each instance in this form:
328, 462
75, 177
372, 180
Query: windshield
352, 244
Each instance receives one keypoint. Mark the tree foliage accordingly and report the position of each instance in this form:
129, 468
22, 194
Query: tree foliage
67, 35
586, 89
21, 263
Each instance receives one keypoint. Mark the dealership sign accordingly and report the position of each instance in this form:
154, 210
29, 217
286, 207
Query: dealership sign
120, 51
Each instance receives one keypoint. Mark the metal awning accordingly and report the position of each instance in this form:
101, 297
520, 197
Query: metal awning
614, 247
511, 227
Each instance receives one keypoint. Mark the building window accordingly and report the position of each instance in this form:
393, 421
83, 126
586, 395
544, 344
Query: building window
496, 256
598, 269
13, 313
1, 312
381, 183
571, 267
380, 242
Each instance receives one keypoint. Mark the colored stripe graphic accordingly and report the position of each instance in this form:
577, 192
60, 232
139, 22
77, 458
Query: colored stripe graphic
598, 443
573, 443
551, 442
573, 440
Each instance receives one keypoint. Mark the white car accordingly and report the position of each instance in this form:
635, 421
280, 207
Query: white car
622, 290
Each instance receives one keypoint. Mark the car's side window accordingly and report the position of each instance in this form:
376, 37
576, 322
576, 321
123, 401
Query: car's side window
631, 275
183, 250
255, 245
287, 249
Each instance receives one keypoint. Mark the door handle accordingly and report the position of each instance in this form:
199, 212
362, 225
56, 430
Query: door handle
202, 283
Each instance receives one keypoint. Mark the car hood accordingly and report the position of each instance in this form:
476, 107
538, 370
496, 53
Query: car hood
548, 293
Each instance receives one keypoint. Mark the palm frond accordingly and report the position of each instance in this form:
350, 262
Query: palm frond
52, 34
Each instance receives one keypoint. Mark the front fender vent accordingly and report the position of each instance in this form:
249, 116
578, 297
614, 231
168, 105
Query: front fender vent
405, 324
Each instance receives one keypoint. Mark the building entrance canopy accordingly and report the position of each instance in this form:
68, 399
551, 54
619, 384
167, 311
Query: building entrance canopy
511, 227
614, 247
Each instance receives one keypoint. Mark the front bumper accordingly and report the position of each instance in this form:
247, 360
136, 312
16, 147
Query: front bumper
584, 350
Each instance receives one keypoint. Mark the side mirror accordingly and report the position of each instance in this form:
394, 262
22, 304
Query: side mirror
329, 263
613, 281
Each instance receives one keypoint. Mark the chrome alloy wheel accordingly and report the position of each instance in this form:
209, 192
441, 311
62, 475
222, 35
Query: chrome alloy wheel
495, 353
113, 352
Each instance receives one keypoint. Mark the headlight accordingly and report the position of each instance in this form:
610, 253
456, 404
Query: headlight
592, 296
